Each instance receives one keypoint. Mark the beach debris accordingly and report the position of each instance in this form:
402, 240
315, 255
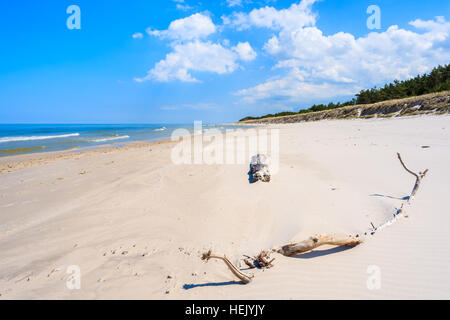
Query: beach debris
242, 276
419, 176
249, 262
317, 241
259, 168
402, 211
263, 261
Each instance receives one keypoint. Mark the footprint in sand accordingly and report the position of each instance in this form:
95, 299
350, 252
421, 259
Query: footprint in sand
123, 251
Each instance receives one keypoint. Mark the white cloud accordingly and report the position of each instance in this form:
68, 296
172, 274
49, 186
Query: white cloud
190, 53
372, 59
307, 64
293, 87
193, 27
311, 64
137, 35
245, 51
296, 16
183, 7
234, 3
195, 56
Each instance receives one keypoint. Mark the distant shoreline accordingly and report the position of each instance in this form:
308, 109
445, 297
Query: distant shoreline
18, 139
10, 163
432, 103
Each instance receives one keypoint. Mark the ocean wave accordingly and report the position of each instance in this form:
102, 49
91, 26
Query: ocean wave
160, 129
96, 132
28, 138
109, 139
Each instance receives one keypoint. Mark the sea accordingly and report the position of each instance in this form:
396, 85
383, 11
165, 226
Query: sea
31, 138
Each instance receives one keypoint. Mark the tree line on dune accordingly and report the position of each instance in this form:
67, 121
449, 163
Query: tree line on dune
435, 81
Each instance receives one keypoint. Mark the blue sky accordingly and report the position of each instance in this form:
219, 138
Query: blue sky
215, 61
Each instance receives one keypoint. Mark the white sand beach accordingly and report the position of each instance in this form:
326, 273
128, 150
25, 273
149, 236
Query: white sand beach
136, 224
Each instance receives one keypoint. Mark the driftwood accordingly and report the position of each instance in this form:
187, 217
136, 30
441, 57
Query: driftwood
402, 211
263, 259
317, 241
242, 276
259, 168
419, 176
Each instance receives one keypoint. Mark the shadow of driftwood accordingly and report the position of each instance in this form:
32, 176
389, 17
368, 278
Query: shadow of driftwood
250, 175
390, 197
319, 253
210, 284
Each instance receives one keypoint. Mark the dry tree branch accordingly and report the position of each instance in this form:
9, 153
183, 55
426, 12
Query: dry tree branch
242, 276
262, 260
419, 176
401, 211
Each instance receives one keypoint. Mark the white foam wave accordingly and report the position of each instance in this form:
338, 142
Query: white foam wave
109, 139
160, 129
27, 138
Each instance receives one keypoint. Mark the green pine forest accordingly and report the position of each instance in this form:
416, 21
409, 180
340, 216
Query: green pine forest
435, 81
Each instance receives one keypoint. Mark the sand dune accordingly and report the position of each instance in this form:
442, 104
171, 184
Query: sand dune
136, 224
